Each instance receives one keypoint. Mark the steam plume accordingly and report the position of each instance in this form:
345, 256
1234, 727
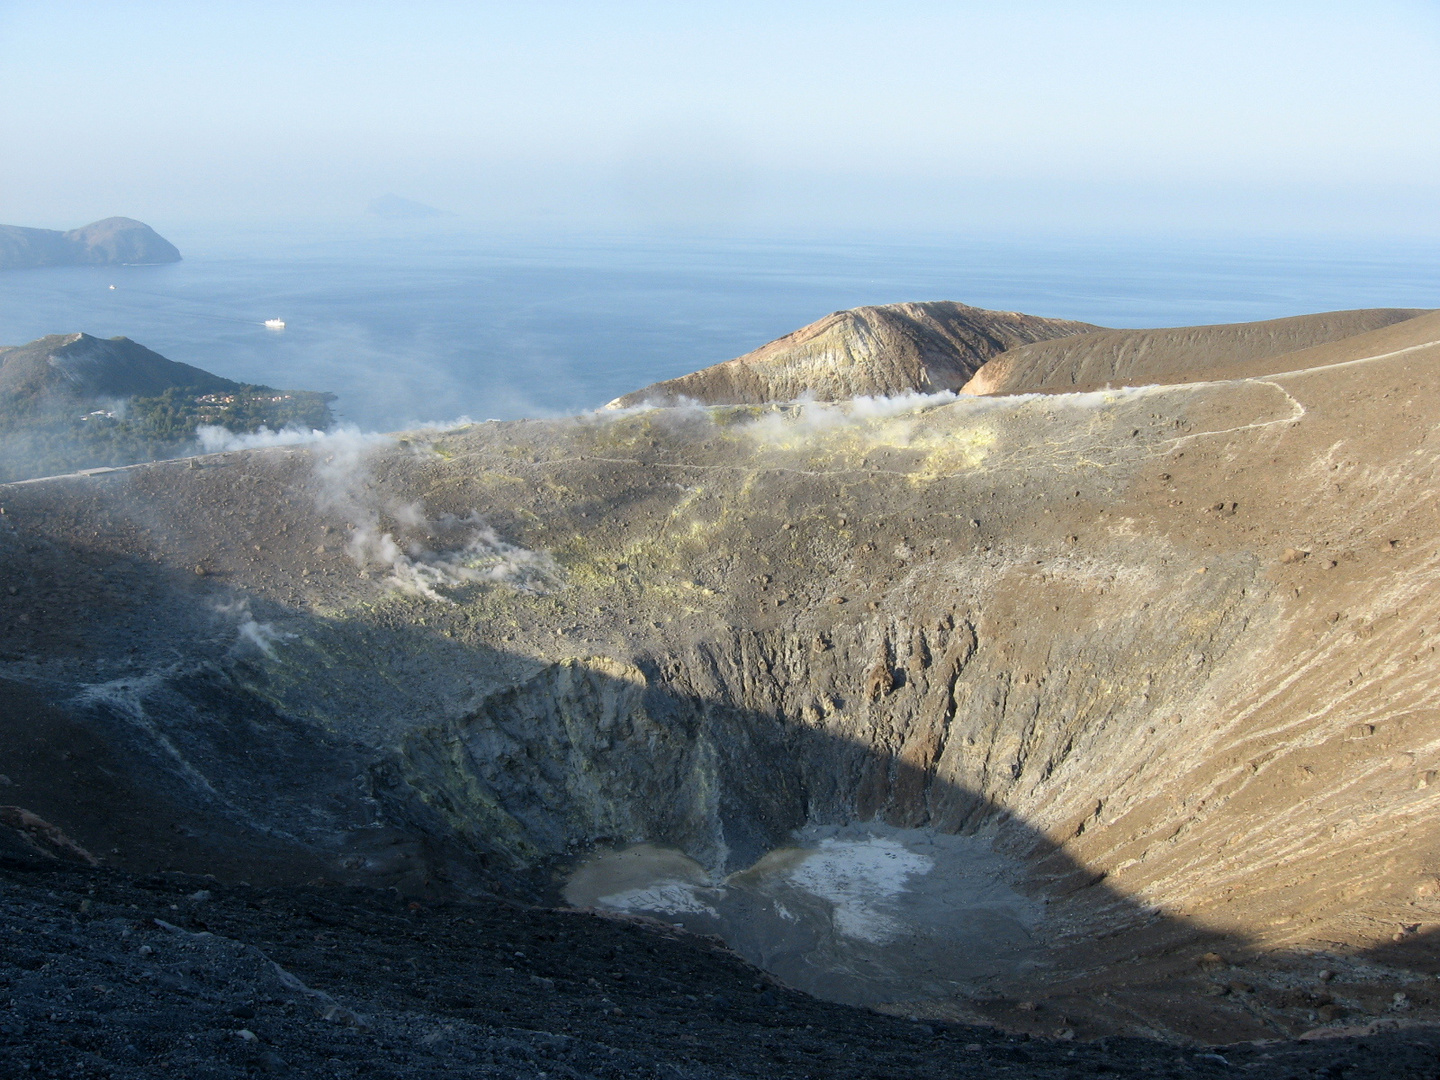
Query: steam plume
424, 554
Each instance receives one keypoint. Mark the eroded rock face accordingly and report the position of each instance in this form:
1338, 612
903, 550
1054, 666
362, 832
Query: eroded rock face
1167, 650
878, 351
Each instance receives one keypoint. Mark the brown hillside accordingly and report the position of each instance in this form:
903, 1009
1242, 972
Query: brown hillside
1169, 355
879, 351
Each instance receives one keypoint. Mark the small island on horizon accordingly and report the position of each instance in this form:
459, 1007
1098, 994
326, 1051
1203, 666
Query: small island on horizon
396, 208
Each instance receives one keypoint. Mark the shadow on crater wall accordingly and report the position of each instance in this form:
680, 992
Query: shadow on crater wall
162, 738
190, 764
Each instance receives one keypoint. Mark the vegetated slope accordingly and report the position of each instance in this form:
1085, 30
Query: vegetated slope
867, 351
1169, 651
111, 241
71, 401
1171, 355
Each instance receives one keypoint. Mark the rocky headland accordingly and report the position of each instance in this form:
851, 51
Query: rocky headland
110, 242
1094, 731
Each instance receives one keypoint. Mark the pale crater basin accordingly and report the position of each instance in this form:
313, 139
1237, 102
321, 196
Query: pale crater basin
866, 914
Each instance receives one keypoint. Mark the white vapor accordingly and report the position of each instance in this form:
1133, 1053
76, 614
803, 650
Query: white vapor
479, 557
262, 635
252, 632
214, 439
892, 418
425, 555
809, 415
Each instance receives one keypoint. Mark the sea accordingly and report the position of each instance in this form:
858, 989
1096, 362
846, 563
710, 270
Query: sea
429, 322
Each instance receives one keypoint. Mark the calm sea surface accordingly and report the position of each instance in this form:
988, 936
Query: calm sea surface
434, 323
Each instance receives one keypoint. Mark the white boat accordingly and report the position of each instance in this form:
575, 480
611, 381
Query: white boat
274, 324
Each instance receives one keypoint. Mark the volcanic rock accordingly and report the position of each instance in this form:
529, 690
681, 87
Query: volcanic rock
1173, 355
488, 659
867, 351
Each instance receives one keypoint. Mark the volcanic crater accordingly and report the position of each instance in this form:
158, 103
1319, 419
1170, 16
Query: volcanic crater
1079, 715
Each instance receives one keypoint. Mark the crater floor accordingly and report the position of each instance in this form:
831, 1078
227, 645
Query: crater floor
866, 914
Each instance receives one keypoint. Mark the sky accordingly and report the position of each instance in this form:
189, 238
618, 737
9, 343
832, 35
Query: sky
1290, 118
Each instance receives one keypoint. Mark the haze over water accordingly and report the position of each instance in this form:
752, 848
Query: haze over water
430, 323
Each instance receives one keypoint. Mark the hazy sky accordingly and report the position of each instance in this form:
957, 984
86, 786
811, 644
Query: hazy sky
1300, 117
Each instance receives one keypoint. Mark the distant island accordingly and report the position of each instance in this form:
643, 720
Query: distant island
399, 209
72, 401
110, 242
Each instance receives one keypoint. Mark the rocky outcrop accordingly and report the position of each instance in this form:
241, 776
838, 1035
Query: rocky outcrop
26, 834
109, 242
868, 351
1172, 355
